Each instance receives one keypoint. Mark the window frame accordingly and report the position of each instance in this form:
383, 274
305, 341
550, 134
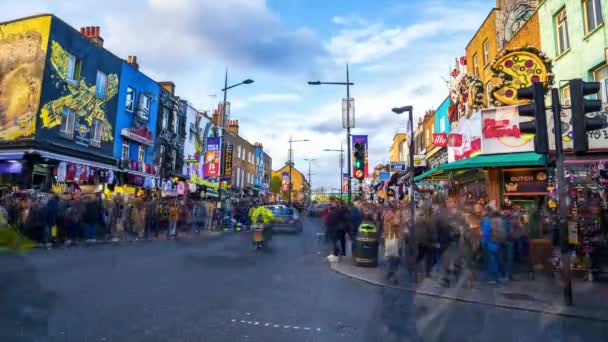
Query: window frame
69, 132
141, 100
75, 65
134, 92
486, 52
565, 94
161, 155
173, 159
98, 85
559, 24
97, 127
603, 82
165, 119
596, 15
141, 153
126, 147
476, 64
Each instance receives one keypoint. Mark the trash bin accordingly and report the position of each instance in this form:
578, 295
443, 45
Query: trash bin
365, 246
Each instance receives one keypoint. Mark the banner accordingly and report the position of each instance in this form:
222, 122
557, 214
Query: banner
285, 181
344, 182
212, 157
465, 138
228, 161
259, 167
363, 140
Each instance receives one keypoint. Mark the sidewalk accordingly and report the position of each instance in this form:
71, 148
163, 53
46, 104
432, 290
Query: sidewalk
542, 294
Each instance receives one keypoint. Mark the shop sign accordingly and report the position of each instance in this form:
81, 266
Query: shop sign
440, 139
597, 139
212, 157
419, 160
344, 182
525, 181
501, 132
384, 176
228, 161
398, 166
285, 181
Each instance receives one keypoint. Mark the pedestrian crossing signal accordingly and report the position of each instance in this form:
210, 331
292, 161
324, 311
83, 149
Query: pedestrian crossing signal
359, 161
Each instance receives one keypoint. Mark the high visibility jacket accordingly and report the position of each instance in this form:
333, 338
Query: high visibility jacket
261, 211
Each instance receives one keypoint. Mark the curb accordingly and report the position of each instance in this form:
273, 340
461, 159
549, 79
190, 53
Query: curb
470, 301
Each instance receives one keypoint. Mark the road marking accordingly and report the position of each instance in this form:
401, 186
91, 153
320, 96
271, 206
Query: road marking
286, 326
275, 326
256, 323
242, 321
318, 329
306, 328
296, 328
249, 322
267, 324
234, 320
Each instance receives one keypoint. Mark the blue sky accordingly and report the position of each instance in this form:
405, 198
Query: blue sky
398, 52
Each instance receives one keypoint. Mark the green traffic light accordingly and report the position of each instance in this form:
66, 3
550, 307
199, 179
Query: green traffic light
358, 164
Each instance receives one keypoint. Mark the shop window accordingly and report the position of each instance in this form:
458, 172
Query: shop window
97, 131
601, 75
67, 123
593, 14
73, 72
561, 28
124, 153
486, 52
143, 107
130, 100
101, 85
165, 121
141, 153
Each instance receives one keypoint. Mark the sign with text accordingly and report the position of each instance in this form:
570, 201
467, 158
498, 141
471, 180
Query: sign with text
501, 134
597, 139
384, 176
285, 181
440, 139
524, 181
212, 157
344, 182
362, 139
398, 166
228, 161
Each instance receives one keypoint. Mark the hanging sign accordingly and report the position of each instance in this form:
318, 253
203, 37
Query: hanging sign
212, 157
228, 161
285, 181
440, 139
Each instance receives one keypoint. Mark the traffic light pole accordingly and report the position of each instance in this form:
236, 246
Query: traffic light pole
348, 151
561, 195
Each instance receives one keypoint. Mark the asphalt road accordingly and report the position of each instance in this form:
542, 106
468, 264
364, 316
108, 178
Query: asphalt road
221, 290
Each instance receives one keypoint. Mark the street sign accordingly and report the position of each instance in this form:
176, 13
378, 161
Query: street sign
384, 176
398, 166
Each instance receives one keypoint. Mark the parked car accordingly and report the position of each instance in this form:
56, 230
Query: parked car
286, 220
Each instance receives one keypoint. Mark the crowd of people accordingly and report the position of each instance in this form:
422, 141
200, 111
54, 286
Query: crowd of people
451, 238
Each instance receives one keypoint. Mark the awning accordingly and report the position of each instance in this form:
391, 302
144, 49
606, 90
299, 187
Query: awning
490, 160
139, 173
18, 154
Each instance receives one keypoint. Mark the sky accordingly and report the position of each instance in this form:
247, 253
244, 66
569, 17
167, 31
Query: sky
399, 53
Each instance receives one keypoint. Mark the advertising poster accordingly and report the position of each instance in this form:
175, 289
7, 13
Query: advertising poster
464, 141
597, 139
285, 181
500, 127
344, 182
228, 161
259, 167
212, 157
361, 139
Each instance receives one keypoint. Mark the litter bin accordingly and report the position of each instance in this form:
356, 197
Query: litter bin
365, 246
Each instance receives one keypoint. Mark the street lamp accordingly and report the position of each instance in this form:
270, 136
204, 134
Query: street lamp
223, 123
309, 160
341, 150
291, 164
348, 83
410, 140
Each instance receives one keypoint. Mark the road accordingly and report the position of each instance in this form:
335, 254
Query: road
220, 290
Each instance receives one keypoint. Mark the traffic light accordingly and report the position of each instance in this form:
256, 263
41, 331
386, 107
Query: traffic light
535, 109
580, 106
359, 161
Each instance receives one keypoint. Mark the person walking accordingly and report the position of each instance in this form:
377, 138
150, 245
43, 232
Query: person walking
174, 214
393, 235
151, 217
90, 219
490, 222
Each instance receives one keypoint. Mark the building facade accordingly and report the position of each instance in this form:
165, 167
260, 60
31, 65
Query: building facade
135, 132
395, 153
300, 187
171, 133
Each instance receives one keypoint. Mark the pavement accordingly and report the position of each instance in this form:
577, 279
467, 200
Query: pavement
220, 289
539, 293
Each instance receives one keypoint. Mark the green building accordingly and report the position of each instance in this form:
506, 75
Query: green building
574, 34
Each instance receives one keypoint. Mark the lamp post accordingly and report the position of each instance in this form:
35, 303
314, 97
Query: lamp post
309, 160
410, 140
291, 165
341, 151
223, 123
348, 83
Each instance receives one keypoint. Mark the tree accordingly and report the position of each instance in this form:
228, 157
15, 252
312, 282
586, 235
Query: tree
275, 184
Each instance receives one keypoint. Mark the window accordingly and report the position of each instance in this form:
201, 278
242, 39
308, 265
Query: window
238, 151
74, 67
101, 84
165, 121
566, 95
593, 14
130, 100
489, 93
173, 158
475, 65
124, 152
67, 123
486, 52
561, 28
97, 132
176, 122
161, 155
601, 75
141, 153
442, 124
143, 108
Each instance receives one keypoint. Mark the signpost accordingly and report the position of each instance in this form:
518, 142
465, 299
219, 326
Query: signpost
384, 176
398, 166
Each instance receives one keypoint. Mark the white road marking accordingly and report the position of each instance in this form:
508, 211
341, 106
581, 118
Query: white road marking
256, 323
249, 322
306, 328
267, 324
275, 326
242, 321
234, 320
296, 328
247, 313
318, 329
286, 326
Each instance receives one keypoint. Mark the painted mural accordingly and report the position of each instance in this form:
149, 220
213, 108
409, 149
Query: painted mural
23, 46
514, 14
517, 69
81, 98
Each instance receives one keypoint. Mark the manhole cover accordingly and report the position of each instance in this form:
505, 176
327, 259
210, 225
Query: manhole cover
518, 296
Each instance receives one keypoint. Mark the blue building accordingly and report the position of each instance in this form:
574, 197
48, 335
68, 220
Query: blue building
442, 122
135, 130
442, 128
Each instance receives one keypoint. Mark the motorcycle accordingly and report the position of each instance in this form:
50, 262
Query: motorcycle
261, 237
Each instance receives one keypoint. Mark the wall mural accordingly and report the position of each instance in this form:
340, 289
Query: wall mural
518, 69
23, 47
81, 99
514, 14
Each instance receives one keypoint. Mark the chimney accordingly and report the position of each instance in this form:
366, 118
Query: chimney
233, 127
92, 33
132, 61
215, 117
169, 86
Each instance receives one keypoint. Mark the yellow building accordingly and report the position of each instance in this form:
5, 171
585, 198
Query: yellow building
481, 51
395, 152
300, 188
